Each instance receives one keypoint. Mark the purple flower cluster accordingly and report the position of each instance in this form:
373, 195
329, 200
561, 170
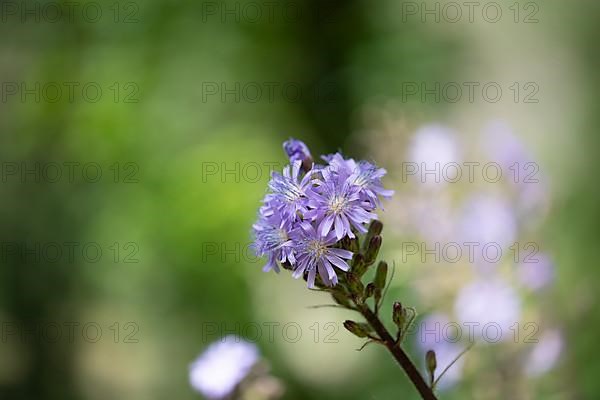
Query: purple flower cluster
309, 210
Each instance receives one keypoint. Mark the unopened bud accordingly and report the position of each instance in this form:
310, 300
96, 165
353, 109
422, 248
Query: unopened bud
296, 150
341, 299
350, 244
374, 230
399, 315
431, 362
370, 290
359, 329
377, 295
373, 249
356, 286
381, 275
359, 267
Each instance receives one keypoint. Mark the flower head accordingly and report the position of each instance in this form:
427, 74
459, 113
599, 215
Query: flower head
315, 254
363, 175
336, 205
222, 366
289, 191
310, 208
368, 178
272, 238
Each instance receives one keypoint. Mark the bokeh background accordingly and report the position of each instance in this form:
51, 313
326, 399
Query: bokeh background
184, 144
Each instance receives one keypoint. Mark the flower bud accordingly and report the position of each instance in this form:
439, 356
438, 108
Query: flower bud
341, 299
381, 275
356, 286
374, 230
370, 290
350, 244
431, 362
297, 150
359, 329
359, 267
377, 294
372, 250
399, 315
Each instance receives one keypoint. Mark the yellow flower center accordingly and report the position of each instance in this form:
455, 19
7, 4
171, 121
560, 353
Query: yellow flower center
317, 248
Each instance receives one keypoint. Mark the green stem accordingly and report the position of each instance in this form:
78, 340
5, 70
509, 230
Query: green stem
462, 353
401, 357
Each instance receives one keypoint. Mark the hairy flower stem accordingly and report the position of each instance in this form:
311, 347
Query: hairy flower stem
407, 365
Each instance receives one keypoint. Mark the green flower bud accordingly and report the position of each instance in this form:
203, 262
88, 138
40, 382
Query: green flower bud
359, 329
359, 267
350, 244
370, 290
377, 296
373, 249
341, 299
381, 275
399, 315
355, 285
431, 362
374, 230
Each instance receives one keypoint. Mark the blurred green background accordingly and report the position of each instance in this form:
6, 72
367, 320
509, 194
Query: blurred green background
184, 145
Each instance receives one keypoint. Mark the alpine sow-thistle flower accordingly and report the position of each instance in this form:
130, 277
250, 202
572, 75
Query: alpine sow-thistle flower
316, 254
310, 208
217, 371
313, 221
272, 238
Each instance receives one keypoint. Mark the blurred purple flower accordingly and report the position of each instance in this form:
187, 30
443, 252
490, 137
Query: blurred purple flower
315, 254
507, 149
222, 366
433, 147
534, 201
489, 302
536, 272
434, 334
488, 219
545, 353
433, 217
503, 146
434, 143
